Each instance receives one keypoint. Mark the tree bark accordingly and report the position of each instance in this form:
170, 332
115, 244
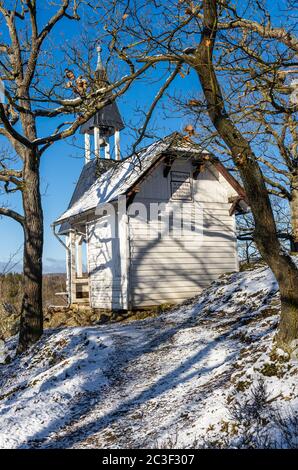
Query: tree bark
265, 234
294, 212
31, 327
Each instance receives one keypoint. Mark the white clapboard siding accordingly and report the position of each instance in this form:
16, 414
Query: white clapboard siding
177, 259
163, 290
182, 247
145, 264
187, 250
167, 269
103, 264
148, 300
152, 271
180, 285
188, 242
178, 275
209, 224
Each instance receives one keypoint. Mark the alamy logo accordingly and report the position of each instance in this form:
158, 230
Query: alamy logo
154, 220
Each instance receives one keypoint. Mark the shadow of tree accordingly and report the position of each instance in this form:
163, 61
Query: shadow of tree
73, 429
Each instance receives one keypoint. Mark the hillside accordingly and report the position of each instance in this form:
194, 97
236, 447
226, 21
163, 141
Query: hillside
203, 375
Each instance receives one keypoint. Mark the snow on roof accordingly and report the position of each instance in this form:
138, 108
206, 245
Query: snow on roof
120, 178
87, 177
185, 373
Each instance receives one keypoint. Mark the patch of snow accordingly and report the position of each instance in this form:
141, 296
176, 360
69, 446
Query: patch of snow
162, 382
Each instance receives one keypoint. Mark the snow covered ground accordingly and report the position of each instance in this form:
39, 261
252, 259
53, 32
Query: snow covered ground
194, 377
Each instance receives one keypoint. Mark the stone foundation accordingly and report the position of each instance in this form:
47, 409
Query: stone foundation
79, 315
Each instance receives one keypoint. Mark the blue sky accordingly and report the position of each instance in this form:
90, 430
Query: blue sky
60, 169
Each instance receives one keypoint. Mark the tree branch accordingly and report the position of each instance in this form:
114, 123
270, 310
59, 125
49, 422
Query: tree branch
154, 104
12, 214
10, 129
95, 107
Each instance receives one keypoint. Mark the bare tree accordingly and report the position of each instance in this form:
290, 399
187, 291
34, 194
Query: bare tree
272, 134
189, 34
261, 96
262, 102
38, 86
245, 230
281, 264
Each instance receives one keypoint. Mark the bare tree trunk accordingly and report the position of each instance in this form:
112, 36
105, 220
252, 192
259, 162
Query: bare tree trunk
294, 213
31, 327
247, 252
265, 234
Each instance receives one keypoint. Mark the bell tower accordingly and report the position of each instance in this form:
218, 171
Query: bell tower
102, 130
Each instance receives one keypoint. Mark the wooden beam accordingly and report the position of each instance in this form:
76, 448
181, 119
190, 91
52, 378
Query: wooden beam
230, 179
68, 267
